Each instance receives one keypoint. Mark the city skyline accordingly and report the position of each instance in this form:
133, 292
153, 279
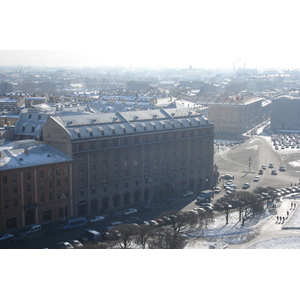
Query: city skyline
215, 34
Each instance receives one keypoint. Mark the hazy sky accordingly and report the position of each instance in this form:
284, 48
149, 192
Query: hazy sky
214, 33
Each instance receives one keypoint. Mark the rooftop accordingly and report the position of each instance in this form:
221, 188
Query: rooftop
27, 153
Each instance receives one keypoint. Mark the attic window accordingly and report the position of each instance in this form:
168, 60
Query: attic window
102, 132
29, 116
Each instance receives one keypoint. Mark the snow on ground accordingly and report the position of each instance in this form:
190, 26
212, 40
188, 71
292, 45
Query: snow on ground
261, 228
295, 164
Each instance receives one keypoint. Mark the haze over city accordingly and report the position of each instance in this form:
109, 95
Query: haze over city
214, 34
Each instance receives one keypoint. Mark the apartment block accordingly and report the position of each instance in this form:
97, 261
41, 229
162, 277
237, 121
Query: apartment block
127, 158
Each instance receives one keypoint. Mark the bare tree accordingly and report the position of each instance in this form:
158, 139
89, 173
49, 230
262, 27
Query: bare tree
163, 238
142, 235
122, 235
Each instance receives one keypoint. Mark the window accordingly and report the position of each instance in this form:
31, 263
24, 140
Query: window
66, 171
11, 223
50, 196
58, 171
42, 174
28, 188
47, 215
14, 178
50, 173
28, 176
6, 206
42, 197
15, 202
5, 179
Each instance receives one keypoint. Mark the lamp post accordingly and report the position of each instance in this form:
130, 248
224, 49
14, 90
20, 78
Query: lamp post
250, 159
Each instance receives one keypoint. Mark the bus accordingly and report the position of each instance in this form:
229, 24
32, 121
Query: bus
74, 223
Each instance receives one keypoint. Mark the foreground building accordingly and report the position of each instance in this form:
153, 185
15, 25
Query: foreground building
123, 159
36, 185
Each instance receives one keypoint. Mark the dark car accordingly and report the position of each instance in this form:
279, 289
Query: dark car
145, 207
20, 237
53, 230
167, 202
113, 216
132, 220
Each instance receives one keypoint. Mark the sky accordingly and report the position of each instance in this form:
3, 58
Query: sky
164, 33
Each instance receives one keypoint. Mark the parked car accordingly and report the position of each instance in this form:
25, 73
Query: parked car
153, 223
34, 229
263, 166
188, 193
113, 224
271, 165
261, 172
96, 219
132, 220
113, 216
65, 245
53, 230
130, 211
75, 243
167, 202
6, 237
144, 208
282, 169
218, 190
274, 172
20, 237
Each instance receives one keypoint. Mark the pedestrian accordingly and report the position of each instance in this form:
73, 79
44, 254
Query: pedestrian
287, 213
277, 218
280, 218
283, 218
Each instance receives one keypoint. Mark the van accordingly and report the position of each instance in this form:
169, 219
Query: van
92, 235
34, 229
74, 223
112, 224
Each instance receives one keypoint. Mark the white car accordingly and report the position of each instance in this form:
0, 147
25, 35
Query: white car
75, 243
65, 245
218, 190
130, 211
256, 178
246, 185
96, 219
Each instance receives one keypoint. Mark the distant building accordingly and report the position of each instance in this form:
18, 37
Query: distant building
138, 85
285, 112
35, 185
31, 101
5, 88
236, 115
134, 157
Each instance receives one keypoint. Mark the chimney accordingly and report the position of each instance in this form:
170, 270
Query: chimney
26, 151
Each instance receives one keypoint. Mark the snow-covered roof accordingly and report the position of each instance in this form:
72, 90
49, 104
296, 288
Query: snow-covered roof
20, 155
108, 124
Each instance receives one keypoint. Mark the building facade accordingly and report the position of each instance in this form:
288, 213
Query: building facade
123, 159
285, 113
36, 185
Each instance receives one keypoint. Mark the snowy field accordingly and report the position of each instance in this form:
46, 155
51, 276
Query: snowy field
219, 235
